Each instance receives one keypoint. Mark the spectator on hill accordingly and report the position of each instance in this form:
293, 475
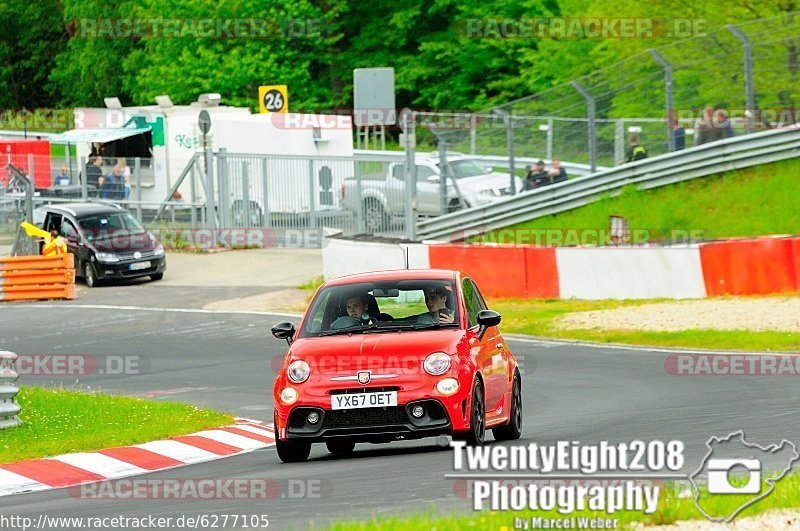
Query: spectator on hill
557, 173
635, 151
536, 177
678, 133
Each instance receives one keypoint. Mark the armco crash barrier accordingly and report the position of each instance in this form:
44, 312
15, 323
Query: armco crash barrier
37, 277
9, 409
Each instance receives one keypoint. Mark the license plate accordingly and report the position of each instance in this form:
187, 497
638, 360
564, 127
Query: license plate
139, 265
364, 400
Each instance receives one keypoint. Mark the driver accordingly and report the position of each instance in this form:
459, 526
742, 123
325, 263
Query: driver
436, 301
356, 306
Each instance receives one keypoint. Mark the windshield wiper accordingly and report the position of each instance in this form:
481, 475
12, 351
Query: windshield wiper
433, 326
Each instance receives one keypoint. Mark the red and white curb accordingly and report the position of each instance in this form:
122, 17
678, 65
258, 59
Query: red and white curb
89, 467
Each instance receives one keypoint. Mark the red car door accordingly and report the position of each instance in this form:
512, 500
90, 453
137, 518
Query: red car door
492, 358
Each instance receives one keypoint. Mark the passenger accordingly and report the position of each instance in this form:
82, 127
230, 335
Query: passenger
436, 298
356, 306
55, 246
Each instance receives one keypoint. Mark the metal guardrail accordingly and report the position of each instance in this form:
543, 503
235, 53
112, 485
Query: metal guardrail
9, 409
707, 159
572, 168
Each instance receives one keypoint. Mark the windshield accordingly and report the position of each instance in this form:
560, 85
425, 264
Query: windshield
382, 307
114, 224
466, 168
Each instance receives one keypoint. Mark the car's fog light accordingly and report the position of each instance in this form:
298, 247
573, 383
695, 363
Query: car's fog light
417, 412
289, 395
447, 386
313, 417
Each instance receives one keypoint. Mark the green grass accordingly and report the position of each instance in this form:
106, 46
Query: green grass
751, 202
59, 421
312, 285
538, 317
671, 508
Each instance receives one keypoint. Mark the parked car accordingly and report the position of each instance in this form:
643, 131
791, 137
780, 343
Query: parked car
382, 195
107, 241
424, 358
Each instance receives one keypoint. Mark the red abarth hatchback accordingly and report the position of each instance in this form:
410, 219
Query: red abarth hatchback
395, 355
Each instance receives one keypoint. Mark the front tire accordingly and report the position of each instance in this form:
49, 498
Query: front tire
375, 216
340, 447
477, 417
157, 276
293, 451
89, 275
513, 430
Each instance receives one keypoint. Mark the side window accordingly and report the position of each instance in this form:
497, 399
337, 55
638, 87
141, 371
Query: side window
481, 301
472, 302
52, 222
423, 172
68, 230
399, 171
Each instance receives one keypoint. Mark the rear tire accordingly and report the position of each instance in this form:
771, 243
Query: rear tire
340, 447
293, 451
513, 430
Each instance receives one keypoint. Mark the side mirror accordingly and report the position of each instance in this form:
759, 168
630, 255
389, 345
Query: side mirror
284, 331
487, 318
433, 178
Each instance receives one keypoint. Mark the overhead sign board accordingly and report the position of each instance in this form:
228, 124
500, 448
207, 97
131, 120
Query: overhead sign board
373, 97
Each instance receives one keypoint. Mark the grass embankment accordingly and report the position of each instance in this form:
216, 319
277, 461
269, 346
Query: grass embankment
671, 508
742, 203
63, 421
539, 318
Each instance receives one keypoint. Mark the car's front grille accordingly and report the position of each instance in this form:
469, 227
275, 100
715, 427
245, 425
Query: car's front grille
368, 417
130, 255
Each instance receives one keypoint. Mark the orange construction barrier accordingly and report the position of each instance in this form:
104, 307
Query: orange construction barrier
37, 278
505, 271
751, 267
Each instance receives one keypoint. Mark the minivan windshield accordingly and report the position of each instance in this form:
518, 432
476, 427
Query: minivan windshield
373, 307
99, 226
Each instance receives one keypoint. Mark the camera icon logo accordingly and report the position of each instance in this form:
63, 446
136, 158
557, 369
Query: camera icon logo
723, 476
730, 467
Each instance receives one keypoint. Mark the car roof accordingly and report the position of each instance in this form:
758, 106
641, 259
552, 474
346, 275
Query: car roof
85, 209
395, 274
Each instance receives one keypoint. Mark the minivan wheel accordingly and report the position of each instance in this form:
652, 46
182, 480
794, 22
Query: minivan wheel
89, 275
157, 276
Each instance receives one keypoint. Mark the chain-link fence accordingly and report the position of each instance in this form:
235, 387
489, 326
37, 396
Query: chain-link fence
730, 81
229, 199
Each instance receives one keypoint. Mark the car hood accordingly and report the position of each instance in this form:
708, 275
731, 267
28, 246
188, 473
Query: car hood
489, 181
344, 354
122, 242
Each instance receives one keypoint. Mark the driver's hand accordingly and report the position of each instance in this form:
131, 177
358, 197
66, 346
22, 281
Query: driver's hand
446, 318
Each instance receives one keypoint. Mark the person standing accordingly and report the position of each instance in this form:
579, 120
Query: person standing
557, 173
635, 150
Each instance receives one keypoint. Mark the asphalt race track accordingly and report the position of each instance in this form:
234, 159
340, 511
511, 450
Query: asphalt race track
223, 361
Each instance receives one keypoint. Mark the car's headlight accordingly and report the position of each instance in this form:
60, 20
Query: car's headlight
107, 257
298, 371
436, 363
159, 250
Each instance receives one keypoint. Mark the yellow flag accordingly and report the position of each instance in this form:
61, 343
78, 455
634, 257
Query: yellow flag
35, 232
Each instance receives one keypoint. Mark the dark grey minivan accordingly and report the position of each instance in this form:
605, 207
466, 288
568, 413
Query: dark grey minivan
108, 241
